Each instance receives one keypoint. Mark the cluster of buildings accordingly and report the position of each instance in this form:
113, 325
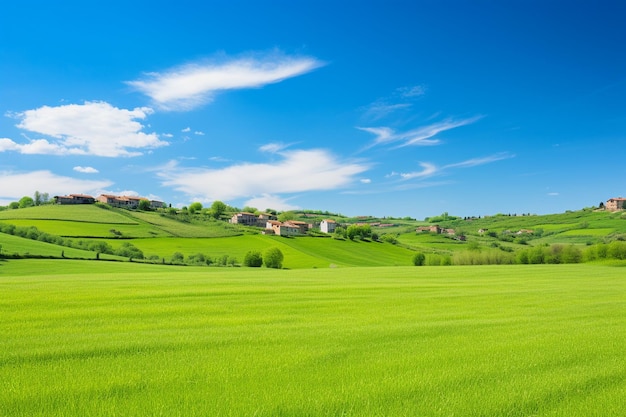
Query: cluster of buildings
129, 202
271, 225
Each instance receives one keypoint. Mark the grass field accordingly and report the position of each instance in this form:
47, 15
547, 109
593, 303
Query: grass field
123, 339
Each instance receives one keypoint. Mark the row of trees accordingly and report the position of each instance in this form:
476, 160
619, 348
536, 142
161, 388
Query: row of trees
273, 258
547, 254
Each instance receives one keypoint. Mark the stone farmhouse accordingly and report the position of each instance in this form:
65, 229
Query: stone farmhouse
615, 204
74, 199
129, 202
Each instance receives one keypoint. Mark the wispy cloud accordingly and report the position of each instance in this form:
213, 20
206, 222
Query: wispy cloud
17, 184
274, 147
189, 86
86, 170
297, 171
421, 136
401, 98
481, 161
429, 169
92, 128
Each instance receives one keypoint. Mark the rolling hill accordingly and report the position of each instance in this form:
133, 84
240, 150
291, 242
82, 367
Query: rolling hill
159, 236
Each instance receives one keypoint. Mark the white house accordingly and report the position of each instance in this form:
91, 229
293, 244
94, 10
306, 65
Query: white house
328, 226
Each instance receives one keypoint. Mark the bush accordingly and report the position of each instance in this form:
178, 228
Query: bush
419, 259
177, 258
253, 259
273, 258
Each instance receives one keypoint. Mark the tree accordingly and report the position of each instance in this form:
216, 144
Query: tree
273, 258
144, 205
14, 205
253, 259
286, 216
38, 198
352, 231
26, 202
217, 209
419, 259
249, 209
195, 207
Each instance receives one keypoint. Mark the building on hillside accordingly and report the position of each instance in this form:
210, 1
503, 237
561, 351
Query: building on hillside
74, 199
156, 204
431, 229
263, 218
328, 226
615, 204
129, 202
247, 219
303, 227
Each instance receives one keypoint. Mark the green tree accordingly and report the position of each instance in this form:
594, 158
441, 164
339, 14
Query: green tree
352, 231
195, 207
286, 216
144, 205
253, 259
26, 201
218, 209
37, 198
14, 205
273, 258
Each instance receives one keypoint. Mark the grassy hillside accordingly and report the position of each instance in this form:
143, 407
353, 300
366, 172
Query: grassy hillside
159, 235
147, 340
11, 245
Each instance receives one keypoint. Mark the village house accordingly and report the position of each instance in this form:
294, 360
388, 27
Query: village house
74, 199
615, 204
328, 226
247, 219
431, 229
281, 229
128, 202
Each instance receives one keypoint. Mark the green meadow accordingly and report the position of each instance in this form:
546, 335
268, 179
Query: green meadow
84, 338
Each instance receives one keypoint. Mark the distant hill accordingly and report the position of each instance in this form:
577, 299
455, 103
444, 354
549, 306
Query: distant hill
158, 236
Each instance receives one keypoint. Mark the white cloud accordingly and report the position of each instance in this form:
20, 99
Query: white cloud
366, 181
189, 86
481, 161
402, 98
273, 147
422, 136
185, 130
199, 133
553, 194
428, 170
15, 184
167, 135
268, 201
86, 170
92, 128
7, 144
298, 171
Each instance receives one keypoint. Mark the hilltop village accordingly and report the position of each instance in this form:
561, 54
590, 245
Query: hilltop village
270, 224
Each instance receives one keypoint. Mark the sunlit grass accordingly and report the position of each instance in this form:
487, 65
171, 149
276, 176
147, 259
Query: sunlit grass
146, 340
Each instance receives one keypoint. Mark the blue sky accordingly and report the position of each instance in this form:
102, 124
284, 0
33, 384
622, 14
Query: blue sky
386, 108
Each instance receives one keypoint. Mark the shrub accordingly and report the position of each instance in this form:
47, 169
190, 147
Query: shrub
177, 258
253, 259
419, 259
273, 258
